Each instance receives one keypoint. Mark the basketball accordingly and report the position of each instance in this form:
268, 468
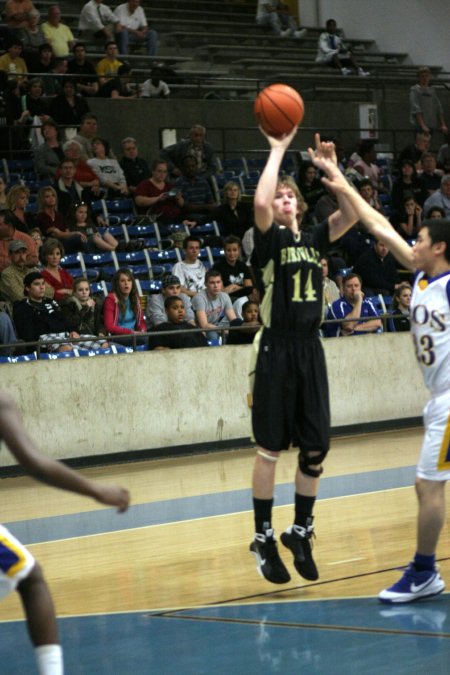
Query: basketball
278, 109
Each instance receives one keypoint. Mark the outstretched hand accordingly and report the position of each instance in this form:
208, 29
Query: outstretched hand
324, 150
324, 158
283, 141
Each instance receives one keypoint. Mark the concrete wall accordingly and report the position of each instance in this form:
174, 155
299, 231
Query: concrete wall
98, 406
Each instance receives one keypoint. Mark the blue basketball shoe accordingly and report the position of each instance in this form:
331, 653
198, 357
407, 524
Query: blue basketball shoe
413, 586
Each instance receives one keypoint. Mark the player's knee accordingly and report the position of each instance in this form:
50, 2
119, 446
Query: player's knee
310, 463
268, 455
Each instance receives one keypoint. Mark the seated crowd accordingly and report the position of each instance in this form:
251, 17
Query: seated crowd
178, 190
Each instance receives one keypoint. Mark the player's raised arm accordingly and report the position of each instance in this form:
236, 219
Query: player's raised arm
345, 217
46, 469
267, 184
375, 223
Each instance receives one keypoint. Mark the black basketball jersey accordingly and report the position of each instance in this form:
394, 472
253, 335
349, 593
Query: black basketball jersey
292, 276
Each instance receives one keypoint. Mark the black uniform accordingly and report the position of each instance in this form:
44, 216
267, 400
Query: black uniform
290, 397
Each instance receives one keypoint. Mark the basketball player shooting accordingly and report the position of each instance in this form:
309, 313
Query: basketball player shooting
290, 392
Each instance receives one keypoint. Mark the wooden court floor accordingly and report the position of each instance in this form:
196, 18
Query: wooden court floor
176, 570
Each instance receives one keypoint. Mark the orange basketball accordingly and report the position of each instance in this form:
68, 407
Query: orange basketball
278, 109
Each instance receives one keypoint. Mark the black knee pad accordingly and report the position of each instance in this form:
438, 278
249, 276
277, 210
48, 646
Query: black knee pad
306, 461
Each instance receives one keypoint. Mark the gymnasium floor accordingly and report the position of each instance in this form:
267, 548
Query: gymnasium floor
170, 586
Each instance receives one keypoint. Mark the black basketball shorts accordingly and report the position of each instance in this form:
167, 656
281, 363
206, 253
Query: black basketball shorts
290, 394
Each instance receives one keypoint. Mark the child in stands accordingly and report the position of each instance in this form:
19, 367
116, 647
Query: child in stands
80, 220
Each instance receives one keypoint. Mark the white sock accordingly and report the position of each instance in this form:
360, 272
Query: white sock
49, 659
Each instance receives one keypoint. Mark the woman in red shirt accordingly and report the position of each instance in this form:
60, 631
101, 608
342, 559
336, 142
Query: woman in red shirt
51, 253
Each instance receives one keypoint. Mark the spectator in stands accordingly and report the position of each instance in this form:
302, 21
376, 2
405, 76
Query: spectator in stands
17, 15
48, 155
56, 276
212, 306
88, 131
236, 276
37, 318
195, 146
367, 192
80, 220
109, 65
68, 190
118, 87
366, 166
154, 87
35, 103
311, 187
408, 182
97, 22
430, 176
198, 198
157, 197
83, 313
415, 151
17, 201
234, 216
36, 235
408, 220
8, 233
7, 334
441, 197
84, 175
135, 168
330, 289
401, 305
122, 312
435, 212
53, 224
191, 271
443, 158
11, 278
326, 205
107, 169
155, 308
175, 321
15, 139
69, 107
426, 113
3, 190
58, 34
13, 64
275, 15
33, 36
135, 30
251, 324
332, 51
377, 270
353, 306
42, 61
82, 71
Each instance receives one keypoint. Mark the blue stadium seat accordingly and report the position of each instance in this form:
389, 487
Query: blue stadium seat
99, 288
211, 228
18, 359
146, 286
